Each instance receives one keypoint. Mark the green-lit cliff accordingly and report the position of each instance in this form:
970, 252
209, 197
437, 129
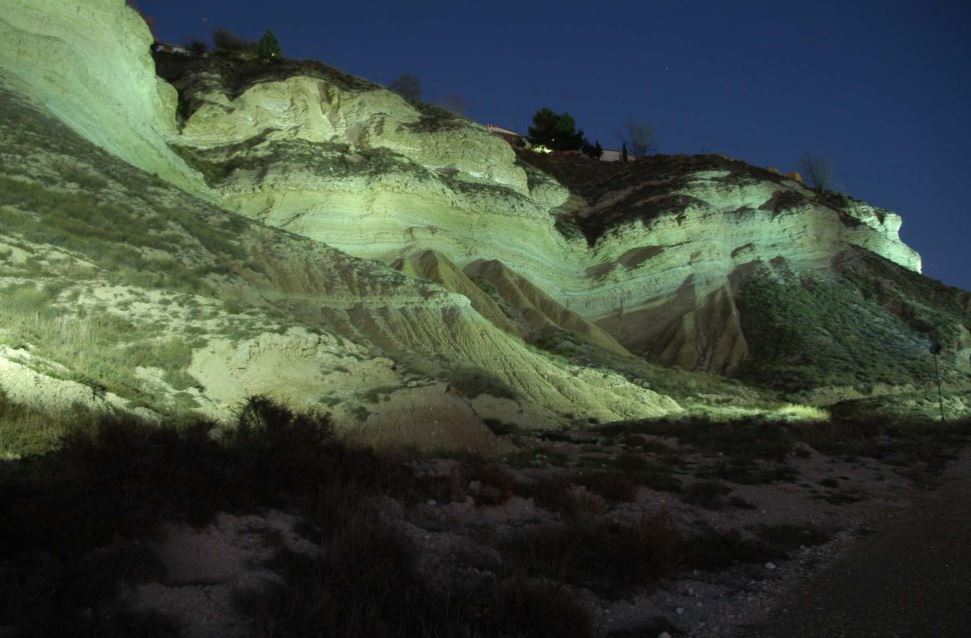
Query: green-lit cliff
179, 233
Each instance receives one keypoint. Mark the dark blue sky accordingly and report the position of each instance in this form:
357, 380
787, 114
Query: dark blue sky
881, 88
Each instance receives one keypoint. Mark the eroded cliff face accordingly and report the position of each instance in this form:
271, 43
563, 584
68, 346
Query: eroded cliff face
670, 253
89, 63
128, 293
651, 253
662, 259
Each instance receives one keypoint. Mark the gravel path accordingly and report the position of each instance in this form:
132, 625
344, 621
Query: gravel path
912, 578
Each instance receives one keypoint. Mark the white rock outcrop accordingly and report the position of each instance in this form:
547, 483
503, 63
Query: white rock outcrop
658, 282
90, 64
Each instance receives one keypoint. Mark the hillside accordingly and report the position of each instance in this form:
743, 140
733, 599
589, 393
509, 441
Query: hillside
659, 254
840, 304
182, 233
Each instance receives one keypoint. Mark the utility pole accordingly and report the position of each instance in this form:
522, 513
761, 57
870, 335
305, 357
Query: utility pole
936, 350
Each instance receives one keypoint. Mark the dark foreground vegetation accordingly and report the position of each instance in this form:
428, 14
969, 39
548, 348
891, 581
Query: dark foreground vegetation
73, 520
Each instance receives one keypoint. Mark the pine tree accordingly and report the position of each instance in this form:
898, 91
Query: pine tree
593, 151
623, 152
268, 47
557, 132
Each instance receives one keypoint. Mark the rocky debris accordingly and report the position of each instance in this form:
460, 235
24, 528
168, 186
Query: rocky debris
204, 567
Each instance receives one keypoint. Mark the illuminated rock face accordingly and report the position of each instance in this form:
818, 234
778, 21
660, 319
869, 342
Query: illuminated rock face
275, 314
648, 261
664, 286
347, 166
315, 110
90, 64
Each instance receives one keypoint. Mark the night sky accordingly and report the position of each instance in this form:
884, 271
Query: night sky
880, 88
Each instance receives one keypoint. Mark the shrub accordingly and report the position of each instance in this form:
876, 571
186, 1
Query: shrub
197, 47
555, 131
630, 462
707, 494
604, 555
544, 609
610, 485
226, 40
407, 86
473, 381
713, 550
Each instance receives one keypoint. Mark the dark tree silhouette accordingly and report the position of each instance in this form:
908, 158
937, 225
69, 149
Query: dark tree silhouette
226, 40
197, 47
557, 132
817, 171
592, 150
639, 138
407, 86
268, 47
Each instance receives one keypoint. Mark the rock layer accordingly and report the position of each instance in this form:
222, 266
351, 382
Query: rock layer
268, 312
89, 63
650, 253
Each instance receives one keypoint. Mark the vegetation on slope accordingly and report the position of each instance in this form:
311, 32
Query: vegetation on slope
80, 225
872, 325
236, 73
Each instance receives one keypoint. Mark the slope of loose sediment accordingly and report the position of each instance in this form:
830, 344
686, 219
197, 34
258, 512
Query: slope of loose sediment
433, 266
534, 309
867, 326
698, 262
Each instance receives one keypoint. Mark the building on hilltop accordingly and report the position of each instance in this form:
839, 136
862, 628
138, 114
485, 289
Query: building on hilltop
512, 137
177, 49
610, 155
520, 141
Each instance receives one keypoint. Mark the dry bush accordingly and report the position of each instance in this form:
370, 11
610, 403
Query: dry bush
113, 485
542, 608
606, 556
496, 487
610, 485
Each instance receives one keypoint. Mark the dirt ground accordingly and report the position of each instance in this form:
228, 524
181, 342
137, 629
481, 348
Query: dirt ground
911, 578
840, 502
635, 529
